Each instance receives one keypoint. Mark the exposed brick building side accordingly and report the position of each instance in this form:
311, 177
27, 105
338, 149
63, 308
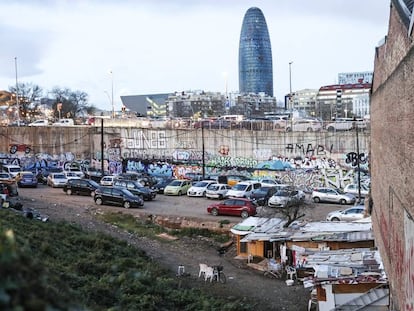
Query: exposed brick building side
392, 154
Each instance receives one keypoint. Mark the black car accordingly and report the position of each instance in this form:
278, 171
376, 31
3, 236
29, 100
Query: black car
161, 184
117, 196
81, 187
136, 188
261, 195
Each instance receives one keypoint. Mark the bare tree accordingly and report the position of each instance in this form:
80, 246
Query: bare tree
70, 104
28, 95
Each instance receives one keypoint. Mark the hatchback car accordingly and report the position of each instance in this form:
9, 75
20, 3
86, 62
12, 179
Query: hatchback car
243, 189
26, 179
136, 188
262, 195
177, 187
107, 180
117, 196
353, 189
349, 214
233, 207
286, 197
6, 177
331, 195
199, 189
161, 184
81, 187
217, 191
56, 180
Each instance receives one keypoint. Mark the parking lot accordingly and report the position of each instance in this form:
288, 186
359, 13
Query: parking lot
182, 206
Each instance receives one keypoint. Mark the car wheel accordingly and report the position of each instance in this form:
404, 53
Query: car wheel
316, 200
127, 204
214, 212
330, 129
68, 191
244, 214
204, 194
220, 197
309, 129
342, 201
98, 201
179, 193
335, 219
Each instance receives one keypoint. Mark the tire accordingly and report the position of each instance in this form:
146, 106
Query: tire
335, 219
316, 200
127, 204
204, 194
214, 212
309, 129
179, 193
244, 214
69, 191
330, 129
220, 197
98, 201
288, 129
342, 201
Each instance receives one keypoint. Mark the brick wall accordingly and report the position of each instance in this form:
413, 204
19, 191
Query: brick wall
392, 161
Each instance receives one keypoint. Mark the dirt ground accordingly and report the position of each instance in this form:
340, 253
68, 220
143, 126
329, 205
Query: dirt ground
242, 281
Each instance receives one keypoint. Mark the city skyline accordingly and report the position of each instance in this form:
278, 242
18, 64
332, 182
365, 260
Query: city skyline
171, 46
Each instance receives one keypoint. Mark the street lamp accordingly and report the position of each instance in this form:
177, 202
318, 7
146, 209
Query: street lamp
290, 85
17, 93
112, 93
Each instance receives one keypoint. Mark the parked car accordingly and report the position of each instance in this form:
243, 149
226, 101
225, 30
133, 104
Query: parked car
136, 188
71, 175
345, 124
117, 196
243, 189
81, 187
64, 122
199, 189
11, 169
331, 195
233, 207
6, 177
262, 195
56, 180
286, 197
304, 125
353, 189
269, 182
349, 214
107, 180
217, 191
161, 184
39, 123
177, 187
26, 179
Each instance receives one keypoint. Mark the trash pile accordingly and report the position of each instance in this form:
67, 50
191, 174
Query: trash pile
27, 212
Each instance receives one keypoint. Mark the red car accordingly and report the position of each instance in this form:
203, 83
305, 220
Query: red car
233, 207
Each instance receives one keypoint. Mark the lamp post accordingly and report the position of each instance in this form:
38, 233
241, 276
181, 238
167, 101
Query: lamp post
17, 94
290, 85
112, 93
357, 159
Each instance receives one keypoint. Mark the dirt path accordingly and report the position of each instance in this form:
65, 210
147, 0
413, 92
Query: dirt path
270, 294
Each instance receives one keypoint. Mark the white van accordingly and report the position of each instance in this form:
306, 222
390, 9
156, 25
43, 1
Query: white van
64, 122
243, 189
11, 169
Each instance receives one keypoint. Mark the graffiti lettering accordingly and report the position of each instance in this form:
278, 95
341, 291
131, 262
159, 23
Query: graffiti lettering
309, 151
352, 158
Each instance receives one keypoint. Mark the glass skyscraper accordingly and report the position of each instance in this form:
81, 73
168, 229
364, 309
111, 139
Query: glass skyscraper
255, 55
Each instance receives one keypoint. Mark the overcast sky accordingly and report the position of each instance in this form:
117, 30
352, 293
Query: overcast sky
162, 46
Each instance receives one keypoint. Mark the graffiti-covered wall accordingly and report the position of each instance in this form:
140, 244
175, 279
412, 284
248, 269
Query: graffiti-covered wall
221, 148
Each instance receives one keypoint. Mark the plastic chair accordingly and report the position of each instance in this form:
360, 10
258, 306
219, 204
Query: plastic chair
203, 268
291, 273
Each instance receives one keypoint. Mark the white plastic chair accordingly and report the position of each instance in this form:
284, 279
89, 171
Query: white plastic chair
203, 268
291, 272
209, 274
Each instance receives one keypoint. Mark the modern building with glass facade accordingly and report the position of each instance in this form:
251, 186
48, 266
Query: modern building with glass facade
255, 55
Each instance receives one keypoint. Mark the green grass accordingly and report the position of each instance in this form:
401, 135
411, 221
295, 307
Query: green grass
58, 266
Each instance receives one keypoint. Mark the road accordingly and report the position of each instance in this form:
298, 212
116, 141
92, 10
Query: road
183, 206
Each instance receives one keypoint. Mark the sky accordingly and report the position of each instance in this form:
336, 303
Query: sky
135, 47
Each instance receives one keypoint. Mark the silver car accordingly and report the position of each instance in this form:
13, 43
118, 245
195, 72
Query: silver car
349, 214
217, 191
331, 195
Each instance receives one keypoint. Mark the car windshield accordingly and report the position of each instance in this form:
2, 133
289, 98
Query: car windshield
262, 190
175, 183
127, 192
283, 193
201, 184
239, 187
14, 169
94, 184
59, 176
340, 191
213, 187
